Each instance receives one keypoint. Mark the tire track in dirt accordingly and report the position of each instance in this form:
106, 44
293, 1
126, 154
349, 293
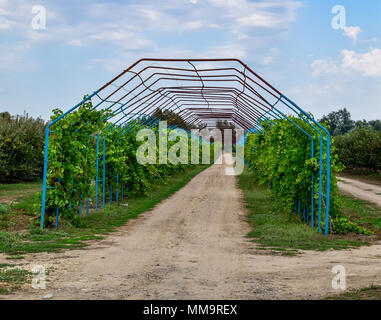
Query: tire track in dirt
361, 190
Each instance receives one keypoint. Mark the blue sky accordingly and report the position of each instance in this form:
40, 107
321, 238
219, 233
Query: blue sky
291, 43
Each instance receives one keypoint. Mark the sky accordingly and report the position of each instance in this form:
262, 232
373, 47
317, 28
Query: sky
304, 48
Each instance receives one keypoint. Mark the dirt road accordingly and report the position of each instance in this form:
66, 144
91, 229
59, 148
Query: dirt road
194, 246
360, 190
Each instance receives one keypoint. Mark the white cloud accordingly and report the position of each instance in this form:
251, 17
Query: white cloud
193, 25
267, 20
267, 14
323, 67
123, 39
151, 14
5, 26
352, 32
367, 64
227, 51
138, 26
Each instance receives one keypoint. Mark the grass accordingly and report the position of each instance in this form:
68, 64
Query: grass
19, 189
363, 213
97, 225
12, 279
371, 293
285, 233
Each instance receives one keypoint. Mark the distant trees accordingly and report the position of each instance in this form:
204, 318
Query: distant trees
360, 148
374, 124
358, 143
172, 118
339, 122
21, 145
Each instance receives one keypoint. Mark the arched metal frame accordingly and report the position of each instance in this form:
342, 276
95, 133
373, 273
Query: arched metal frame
201, 91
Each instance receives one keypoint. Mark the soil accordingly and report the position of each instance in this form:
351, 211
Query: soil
360, 190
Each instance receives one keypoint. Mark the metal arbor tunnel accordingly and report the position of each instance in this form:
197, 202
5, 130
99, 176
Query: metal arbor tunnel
201, 92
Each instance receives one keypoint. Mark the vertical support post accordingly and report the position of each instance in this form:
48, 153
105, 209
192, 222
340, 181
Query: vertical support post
117, 185
57, 210
96, 178
110, 194
298, 207
328, 183
312, 186
88, 203
57, 218
71, 192
117, 188
80, 206
104, 172
320, 178
44, 177
122, 192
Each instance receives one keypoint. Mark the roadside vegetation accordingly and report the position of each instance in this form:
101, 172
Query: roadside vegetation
12, 277
358, 143
21, 145
285, 233
20, 236
280, 158
371, 293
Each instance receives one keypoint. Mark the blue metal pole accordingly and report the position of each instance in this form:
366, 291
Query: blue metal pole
57, 210
71, 192
328, 183
96, 178
320, 180
328, 162
104, 172
80, 206
88, 204
56, 217
312, 186
44, 177
117, 188
117, 184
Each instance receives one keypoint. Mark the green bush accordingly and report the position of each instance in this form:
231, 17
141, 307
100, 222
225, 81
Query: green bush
72, 162
21, 145
343, 225
281, 159
360, 148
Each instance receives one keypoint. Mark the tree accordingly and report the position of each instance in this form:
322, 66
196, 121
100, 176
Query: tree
376, 124
339, 122
172, 118
5, 115
21, 145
